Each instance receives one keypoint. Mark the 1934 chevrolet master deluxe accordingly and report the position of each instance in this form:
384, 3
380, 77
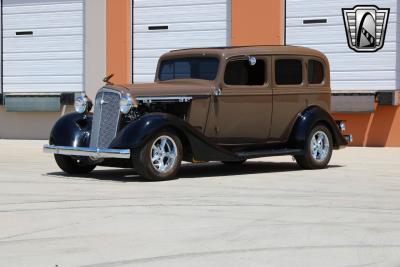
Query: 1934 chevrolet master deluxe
224, 104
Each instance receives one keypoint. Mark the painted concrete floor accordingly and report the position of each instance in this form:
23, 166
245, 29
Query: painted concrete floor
264, 213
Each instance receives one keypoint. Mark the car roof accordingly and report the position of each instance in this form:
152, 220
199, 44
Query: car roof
231, 51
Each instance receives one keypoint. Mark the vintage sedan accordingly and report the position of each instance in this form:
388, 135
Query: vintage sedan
224, 104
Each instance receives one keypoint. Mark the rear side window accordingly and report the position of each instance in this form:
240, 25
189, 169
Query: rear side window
240, 72
315, 72
288, 72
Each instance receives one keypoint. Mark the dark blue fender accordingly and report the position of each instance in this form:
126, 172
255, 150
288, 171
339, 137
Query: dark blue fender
72, 130
307, 120
138, 132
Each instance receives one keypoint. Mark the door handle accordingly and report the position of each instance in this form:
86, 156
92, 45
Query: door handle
217, 92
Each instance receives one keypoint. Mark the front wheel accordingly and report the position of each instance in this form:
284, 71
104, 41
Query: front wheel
318, 150
74, 166
160, 158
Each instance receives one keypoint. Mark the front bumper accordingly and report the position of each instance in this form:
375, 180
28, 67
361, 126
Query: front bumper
99, 153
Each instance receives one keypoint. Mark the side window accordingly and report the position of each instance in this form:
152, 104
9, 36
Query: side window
288, 72
315, 72
240, 72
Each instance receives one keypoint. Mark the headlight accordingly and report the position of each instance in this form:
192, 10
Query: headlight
83, 104
125, 104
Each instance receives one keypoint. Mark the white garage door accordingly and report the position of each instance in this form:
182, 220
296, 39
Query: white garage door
43, 46
351, 71
163, 25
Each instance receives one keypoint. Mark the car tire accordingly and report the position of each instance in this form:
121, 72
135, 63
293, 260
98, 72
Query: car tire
234, 163
160, 158
318, 149
73, 166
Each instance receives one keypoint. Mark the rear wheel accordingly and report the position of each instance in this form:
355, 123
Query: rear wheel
318, 150
74, 166
160, 158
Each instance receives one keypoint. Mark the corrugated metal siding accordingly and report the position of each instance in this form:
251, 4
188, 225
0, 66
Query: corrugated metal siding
50, 60
191, 23
349, 70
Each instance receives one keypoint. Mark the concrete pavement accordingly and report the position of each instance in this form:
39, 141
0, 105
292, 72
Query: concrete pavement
265, 213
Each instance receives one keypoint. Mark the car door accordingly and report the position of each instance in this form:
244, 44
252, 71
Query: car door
289, 94
243, 109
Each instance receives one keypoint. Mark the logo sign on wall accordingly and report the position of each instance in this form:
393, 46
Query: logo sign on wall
365, 27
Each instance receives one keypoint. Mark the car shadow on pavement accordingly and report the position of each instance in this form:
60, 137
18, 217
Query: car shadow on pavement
191, 171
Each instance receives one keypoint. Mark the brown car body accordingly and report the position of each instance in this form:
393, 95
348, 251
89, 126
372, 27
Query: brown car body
212, 119
261, 114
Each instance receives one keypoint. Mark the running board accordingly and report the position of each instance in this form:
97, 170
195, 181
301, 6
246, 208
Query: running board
269, 153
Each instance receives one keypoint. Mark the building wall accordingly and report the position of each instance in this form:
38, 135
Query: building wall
258, 22
119, 42
378, 129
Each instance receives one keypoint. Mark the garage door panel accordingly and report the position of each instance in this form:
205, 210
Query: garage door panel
327, 34
45, 88
363, 85
364, 61
343, 47
363, 75
203, 26
331, 21
143, 78
175, 3
198, 13
145, 65
42, 67
34, 6
49, 32
43, 56
182, 39
317, 8
51, 59
349, 70
47, 20
39, 79
43, 44
191, 23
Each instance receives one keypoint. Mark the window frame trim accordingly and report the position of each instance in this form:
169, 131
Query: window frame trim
303, 66
163, 59
323, 83
267, 72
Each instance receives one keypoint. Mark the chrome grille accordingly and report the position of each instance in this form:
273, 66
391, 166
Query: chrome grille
105, 119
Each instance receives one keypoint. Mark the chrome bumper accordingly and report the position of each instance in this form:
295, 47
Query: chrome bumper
88, 152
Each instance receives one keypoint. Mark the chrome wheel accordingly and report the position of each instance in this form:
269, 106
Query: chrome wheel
163, 154
320, 146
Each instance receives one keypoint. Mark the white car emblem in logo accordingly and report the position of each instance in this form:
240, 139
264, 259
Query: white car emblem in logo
103, 102
365, 27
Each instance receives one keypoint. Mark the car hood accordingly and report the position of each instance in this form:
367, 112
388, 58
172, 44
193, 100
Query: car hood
171, 88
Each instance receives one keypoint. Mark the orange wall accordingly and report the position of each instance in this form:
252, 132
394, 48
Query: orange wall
258, 22
381, 128
119, 40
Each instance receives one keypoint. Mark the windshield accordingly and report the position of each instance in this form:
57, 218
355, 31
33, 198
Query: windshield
204, 68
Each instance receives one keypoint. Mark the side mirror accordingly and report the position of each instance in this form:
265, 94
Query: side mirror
252, 60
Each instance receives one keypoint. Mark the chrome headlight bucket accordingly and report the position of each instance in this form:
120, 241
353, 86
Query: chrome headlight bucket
125, 104
83, 104
342, 125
